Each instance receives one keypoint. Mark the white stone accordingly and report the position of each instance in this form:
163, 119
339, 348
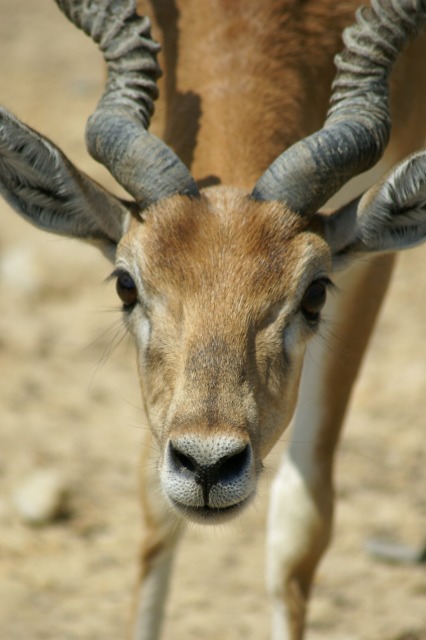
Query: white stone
20, 271
42, 497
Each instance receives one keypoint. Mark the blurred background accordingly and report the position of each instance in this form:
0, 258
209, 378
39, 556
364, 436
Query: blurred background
71, 424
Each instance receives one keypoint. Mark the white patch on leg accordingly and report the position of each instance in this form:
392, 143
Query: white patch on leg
294, 523
151, 599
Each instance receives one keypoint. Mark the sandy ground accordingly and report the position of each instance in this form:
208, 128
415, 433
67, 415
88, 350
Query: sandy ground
69, 403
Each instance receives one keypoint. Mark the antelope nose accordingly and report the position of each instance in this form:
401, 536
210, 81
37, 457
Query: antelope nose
225, 469
216, 471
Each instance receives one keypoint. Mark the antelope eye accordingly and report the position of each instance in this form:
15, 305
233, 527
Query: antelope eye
126, 289
314, 299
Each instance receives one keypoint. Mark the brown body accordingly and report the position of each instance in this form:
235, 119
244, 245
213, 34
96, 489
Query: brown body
223, 273
244, 80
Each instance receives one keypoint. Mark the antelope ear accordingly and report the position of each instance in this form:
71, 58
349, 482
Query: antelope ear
42, 185
388, 217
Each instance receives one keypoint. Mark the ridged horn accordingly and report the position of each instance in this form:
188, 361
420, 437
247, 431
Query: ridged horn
357, 128
116, 133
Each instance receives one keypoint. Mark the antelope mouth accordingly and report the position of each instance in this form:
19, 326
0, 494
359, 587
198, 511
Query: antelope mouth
211, 515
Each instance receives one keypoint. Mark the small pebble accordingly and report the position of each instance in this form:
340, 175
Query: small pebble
20, 271
42, 498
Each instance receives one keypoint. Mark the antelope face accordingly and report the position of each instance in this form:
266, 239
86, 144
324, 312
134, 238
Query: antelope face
221, 294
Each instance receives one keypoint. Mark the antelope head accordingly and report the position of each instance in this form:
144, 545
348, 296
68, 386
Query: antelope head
221, 289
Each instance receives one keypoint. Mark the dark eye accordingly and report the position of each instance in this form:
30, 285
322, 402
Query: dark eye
314, 299
126, 289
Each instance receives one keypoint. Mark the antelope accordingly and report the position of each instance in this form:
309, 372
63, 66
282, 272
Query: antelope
224, 272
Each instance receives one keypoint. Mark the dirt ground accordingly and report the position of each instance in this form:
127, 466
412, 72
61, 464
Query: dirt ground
70, 404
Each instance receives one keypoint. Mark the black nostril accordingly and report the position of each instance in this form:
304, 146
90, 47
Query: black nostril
182, 461
224, 470
231, 466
